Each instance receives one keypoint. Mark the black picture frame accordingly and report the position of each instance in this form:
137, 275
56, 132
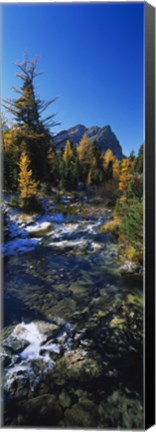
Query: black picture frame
149, 215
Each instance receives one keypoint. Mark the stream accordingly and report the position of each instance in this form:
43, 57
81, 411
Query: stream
72, 339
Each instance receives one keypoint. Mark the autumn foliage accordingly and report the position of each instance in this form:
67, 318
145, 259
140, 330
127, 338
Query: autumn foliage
126, 173
27, 185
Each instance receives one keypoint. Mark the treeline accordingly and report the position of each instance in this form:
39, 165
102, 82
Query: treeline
30, 157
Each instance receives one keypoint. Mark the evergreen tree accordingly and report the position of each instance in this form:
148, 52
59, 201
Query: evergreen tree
10, 157
132, 156
139, 160
52, 165
27, 111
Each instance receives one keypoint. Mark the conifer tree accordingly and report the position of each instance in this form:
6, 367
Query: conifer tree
116, 169
85, 150
107, 158
139, 160
68, 152
52, 165
10, 157
126, 174
27, 111
27, 185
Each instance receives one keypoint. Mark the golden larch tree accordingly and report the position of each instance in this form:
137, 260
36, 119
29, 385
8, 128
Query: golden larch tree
27, 185
125, 174
116, 169
107, 158
68, 152
85, 150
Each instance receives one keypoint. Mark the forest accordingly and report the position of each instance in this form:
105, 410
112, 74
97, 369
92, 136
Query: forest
33, 165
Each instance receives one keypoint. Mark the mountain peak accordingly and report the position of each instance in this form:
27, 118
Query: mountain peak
103, 136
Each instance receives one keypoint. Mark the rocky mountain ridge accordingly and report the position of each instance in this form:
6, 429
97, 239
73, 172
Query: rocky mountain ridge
104, 136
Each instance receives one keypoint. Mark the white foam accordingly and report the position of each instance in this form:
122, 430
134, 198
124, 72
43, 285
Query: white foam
69, 244
53, 347
95, 246
38, 227
31, 334
66, 229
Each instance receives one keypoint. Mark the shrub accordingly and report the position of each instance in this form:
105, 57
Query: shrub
131, 227
112, 226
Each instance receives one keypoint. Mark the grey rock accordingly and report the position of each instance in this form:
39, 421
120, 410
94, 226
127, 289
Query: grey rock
14, 344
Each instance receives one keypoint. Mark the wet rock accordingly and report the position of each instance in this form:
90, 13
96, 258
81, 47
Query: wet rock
42, 410
130, 268
64, 308
86, 343
121, 411
17, 382
82, 414
64, 399
7, 357
117, 322
15, 345
78, 366
79, 335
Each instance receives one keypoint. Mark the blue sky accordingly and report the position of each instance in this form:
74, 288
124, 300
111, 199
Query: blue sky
92, 58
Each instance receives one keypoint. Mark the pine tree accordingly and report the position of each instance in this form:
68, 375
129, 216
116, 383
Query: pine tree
139, 160
10, 157
52, 165
27, 185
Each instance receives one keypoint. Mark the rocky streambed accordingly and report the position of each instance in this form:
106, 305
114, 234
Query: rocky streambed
73, 326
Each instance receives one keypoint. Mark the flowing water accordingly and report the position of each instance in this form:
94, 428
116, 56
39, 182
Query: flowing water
69, 280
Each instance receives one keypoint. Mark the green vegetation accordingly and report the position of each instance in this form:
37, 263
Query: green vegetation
127, 223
